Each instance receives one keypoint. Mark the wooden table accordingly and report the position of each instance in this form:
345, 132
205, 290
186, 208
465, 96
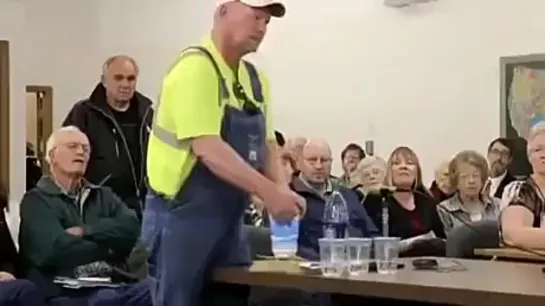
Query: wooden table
484, 282
510, 254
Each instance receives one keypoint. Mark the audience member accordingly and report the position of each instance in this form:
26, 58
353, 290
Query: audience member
521, 222
411, 208
72, 228
13, 291
116, 119
500, 157
314, 184
440, 187
350, 157
468, 174
369, 175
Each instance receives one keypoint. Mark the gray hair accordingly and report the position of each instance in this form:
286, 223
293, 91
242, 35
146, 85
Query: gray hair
51, 143
537, 130
366, 163
110, 60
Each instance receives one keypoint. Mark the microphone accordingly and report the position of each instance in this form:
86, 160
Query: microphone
385, 191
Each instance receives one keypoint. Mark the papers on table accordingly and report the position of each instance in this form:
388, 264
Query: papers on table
406, 244
85, 282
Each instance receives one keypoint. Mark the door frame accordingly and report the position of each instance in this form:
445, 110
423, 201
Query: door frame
46, 113
4, 116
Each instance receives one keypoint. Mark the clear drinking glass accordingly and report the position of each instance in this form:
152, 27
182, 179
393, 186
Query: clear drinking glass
284, 236
358, 252
332, 256
386, 254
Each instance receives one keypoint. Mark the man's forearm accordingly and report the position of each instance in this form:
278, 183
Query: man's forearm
225, 162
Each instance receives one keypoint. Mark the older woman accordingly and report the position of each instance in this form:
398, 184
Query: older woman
440, 188
522, 223
468, 173
411, 207
369, 175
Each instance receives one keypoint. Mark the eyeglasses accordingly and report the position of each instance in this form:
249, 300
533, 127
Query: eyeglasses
502, 153
315, 160
74, 146
467, 176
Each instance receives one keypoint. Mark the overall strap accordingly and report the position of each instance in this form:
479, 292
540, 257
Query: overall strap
167, 136
257, 89
224, 92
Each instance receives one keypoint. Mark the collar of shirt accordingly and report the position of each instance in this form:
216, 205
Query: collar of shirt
495, 183
454, 204
326, 191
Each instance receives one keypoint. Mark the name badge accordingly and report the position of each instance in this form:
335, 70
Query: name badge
252, 155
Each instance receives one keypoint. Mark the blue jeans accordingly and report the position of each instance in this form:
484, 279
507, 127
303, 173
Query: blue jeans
20, 292
182, 253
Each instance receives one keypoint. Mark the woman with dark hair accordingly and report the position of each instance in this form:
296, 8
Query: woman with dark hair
13, 292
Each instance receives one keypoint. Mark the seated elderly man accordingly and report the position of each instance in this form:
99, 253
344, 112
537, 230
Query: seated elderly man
314, 184
71, 228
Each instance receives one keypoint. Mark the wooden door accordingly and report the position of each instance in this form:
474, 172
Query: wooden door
42, 110
4, 116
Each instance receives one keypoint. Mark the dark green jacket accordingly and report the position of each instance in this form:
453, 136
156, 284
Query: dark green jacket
111, 229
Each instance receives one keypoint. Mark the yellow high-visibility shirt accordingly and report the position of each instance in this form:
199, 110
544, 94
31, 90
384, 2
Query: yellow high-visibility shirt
190, 107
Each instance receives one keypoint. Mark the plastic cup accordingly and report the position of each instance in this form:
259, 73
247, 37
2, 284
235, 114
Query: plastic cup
332, 256
358, 251
284, 236
386, 254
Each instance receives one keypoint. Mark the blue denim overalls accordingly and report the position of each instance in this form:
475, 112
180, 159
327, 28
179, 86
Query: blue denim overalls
201, 228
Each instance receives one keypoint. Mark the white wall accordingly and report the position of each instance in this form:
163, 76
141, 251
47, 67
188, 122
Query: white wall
63, 48
426, 77
12, 28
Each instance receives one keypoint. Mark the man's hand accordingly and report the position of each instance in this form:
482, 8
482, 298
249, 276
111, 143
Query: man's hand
75, 231
283, 204
5, 276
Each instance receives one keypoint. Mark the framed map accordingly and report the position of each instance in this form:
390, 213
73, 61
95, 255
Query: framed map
522, 105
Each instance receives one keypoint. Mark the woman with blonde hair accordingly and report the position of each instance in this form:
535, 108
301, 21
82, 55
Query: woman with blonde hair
369, 175
411, 207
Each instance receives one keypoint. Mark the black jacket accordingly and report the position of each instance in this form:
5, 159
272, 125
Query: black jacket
96, 120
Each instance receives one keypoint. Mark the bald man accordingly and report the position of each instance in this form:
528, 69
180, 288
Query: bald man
116, 119
315, 185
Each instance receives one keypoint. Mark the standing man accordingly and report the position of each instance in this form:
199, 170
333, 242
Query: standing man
212, 145
116, 119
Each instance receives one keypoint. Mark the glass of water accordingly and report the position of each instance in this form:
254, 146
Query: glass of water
332, 256
284, 236
386, 254
358, 251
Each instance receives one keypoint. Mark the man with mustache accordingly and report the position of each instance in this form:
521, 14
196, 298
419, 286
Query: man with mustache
116, 118
500, 156
212, 145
